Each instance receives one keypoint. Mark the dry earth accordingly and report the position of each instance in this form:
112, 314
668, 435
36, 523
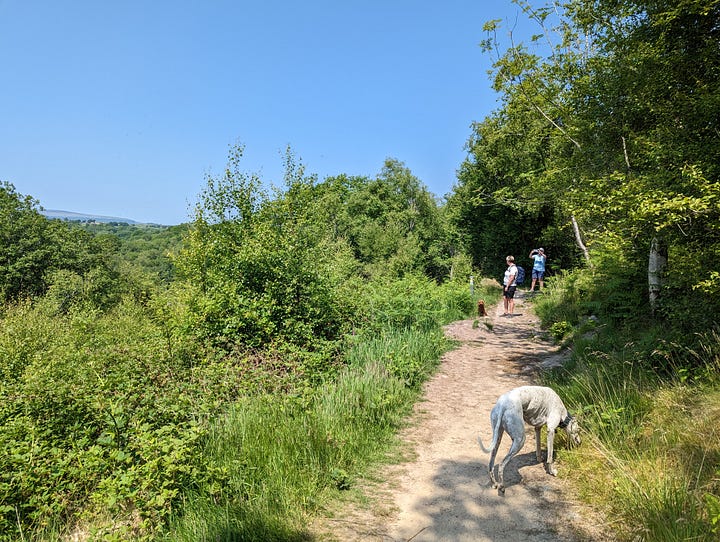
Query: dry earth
442, 492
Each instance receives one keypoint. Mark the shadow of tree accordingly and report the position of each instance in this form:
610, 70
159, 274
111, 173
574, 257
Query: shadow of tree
463, 492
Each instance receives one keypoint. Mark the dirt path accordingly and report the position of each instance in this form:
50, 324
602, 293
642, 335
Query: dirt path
442, 493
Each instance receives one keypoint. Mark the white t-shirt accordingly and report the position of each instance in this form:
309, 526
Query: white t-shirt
511, 270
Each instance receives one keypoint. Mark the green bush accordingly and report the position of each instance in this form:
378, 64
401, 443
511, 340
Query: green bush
283, 455
411, 302
648, 406
96, 420
105, 415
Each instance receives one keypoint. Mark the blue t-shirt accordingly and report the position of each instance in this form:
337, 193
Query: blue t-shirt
539, 264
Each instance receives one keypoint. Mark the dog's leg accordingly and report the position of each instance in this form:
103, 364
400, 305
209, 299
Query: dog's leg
538, 452
516, 446
493, 454
550, 462
497, 431
515, 427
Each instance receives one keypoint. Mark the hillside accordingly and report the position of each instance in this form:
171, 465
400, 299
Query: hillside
83, 217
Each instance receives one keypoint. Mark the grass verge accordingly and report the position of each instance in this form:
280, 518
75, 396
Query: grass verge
650, 408
279, 459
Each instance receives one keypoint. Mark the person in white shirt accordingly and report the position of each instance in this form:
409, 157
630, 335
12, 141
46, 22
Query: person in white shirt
509, 286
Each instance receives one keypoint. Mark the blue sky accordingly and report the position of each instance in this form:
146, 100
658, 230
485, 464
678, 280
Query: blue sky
124, 108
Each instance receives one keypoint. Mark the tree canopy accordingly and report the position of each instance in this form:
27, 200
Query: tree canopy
37, 253
609, 115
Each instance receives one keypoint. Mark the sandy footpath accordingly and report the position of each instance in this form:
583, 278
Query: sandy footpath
442, 492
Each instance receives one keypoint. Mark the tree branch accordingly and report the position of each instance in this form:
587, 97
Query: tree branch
579, 240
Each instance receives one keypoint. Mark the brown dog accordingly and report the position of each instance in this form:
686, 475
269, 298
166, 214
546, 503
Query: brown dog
481, 308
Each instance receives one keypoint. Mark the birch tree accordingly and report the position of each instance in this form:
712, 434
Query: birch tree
627, 94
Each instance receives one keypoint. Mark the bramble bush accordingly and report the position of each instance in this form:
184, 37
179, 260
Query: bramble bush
105, 415
285, 455
95, 419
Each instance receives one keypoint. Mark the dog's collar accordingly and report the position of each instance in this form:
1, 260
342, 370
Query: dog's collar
566, 421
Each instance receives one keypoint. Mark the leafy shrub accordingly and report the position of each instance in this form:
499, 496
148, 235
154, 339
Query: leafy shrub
411, 302
96, 419
559, 330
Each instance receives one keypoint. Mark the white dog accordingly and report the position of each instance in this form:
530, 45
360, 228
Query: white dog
536, 405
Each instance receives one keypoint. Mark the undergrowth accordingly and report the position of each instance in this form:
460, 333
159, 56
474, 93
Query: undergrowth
649, 404
116, 427
284, 458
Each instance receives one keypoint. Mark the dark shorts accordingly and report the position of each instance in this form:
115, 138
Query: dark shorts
537, 274
510, 292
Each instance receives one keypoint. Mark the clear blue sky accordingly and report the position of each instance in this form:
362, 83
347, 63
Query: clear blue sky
123, 108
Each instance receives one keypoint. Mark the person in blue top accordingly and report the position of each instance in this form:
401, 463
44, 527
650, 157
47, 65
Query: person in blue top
538, 270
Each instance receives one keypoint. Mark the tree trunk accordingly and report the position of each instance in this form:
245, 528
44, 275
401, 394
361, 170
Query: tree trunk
657, 262
578, 239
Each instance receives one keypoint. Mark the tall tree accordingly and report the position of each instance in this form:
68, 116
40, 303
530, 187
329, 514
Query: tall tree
625, 96
33, 249
649, 110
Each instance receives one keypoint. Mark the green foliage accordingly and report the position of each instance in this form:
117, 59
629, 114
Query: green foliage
647, 399
713, 510
146, 247
408, 355
607, 122
392, 223
261, 270
566, 298
413, 302
395, 226
33, 249
287, 268
111, 383
95, 421
560, 329
282, 457
494, 208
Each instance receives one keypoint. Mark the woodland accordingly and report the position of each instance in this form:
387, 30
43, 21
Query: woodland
222, 379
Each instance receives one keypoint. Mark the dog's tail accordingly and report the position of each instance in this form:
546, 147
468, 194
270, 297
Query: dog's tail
495, 431
482, 447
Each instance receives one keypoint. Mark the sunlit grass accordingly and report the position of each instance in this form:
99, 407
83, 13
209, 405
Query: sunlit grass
278, 459
650, 459
649, 406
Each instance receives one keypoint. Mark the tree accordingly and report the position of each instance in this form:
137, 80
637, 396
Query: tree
650, 144
33, 249
392, 223
262, 269
499, 204
626, 113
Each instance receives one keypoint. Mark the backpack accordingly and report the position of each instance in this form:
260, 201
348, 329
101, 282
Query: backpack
520, 277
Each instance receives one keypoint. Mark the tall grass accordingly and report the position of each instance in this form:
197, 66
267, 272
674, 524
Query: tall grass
650, 409
278, 459
409, 355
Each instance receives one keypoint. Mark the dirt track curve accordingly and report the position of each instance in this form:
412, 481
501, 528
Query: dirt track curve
442, 492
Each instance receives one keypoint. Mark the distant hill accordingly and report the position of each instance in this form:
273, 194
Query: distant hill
81, 217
